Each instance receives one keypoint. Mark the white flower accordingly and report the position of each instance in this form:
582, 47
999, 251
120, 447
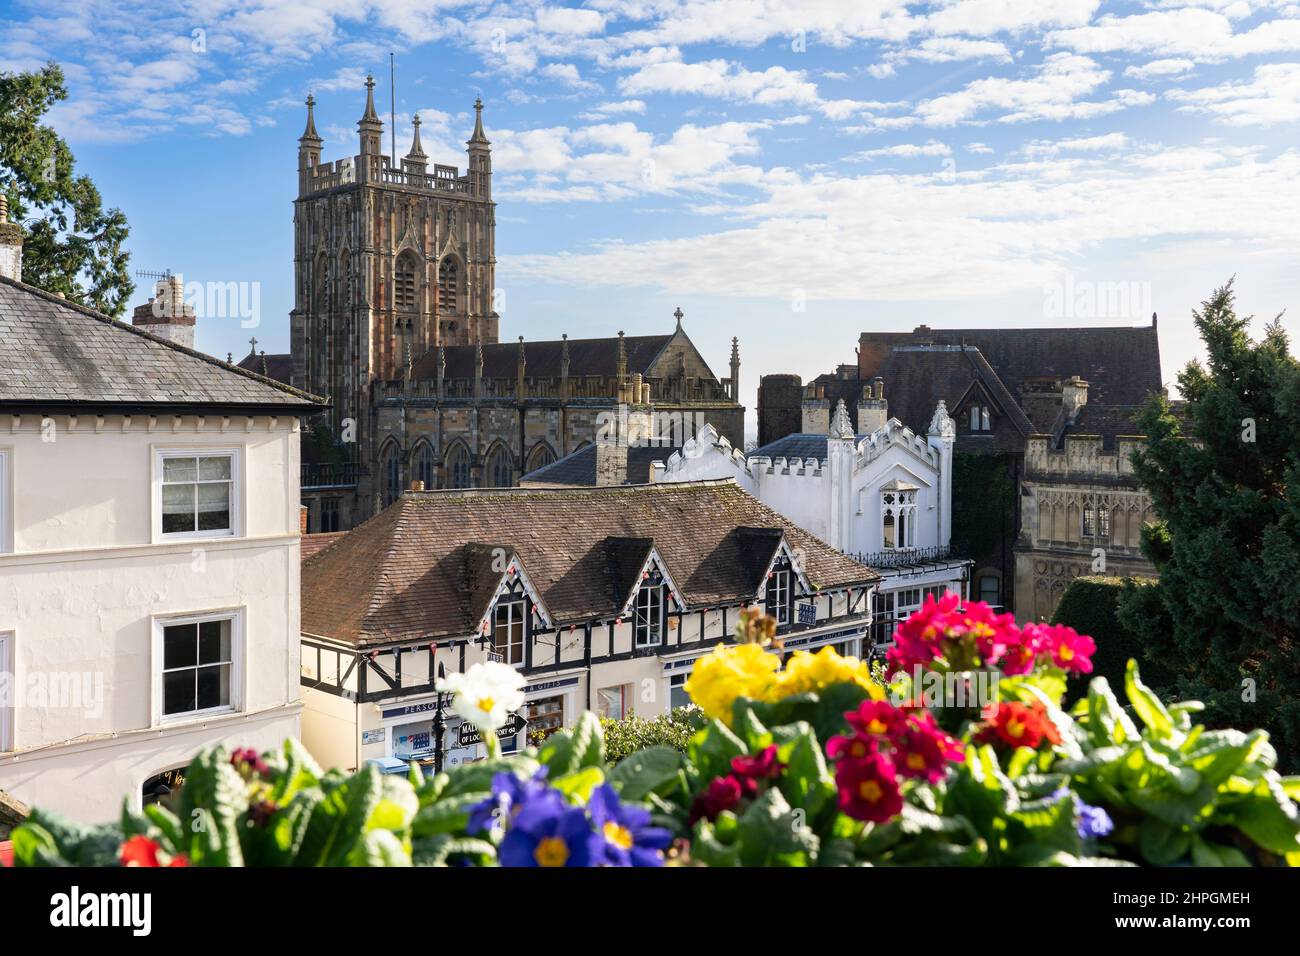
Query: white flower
485, 694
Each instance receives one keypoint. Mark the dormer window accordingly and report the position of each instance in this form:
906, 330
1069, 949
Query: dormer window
648, 618
508, 629
897, 516
779, 592
980, 418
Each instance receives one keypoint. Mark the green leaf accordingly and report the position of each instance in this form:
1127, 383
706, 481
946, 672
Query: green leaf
1269, 817
1205, 853
772, 833
340, 819
379, 848
577, 786
211, 803
588, 743
652, 769
1146, 704
1162, 844
1107, 722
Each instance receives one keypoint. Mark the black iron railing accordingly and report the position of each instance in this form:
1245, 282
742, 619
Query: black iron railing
902, 557
328, 475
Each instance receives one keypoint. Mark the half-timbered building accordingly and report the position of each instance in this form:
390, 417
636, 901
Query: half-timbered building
602, 597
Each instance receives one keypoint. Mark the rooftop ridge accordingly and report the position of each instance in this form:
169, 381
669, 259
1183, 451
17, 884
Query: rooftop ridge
134, 330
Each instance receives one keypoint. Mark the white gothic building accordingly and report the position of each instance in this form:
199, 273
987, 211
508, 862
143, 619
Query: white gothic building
149, 540
882, 495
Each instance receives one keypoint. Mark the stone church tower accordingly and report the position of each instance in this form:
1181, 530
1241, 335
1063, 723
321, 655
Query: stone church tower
390, 262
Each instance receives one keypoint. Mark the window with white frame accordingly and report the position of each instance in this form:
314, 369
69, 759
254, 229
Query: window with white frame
199, 671
898, 518
1089, 521
4, 501
1103, 523
649, 616
508, 632
677, 696
778, 594
980, 419
7, 681
200, 491
615, 702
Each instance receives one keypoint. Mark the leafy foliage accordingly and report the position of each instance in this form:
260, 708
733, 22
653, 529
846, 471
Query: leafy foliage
632, 734
72, 244
1224, 479
1090, 605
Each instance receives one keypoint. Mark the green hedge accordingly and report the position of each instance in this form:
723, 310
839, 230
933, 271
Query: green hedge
673, 729
1090, 606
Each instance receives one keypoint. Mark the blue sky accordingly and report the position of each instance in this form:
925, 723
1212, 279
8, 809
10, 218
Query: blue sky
791, 173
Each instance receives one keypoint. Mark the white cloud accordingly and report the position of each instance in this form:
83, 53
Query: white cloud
1172, 67
907, 150
1272, 96
1107, 142
935, 236
1057, 91
1188, 32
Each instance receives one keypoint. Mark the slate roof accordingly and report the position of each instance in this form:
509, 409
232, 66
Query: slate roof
56, 353
586, 357
578, 468
1121, 364
413, 571
798, 445
278, 365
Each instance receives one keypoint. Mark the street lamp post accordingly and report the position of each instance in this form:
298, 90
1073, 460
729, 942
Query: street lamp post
439, 724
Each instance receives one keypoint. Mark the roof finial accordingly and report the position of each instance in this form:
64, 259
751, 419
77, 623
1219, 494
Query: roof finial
478, 138
841, 427
417, 151
679, 315
309, 134
370, 116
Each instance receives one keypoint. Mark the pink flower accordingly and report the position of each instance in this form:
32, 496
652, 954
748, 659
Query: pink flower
967, 635
1070, 650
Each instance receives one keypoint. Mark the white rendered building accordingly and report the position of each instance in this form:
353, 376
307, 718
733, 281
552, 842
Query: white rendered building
149, 539
883, 495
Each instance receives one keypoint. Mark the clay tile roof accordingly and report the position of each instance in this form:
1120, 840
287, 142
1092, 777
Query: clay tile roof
55, 352
416, 571
312, 543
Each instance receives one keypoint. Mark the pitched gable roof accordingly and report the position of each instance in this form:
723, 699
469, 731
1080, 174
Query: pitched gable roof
402, 575
579, 467
543, 359
55, 353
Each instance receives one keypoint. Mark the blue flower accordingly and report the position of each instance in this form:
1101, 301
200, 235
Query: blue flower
509, 793
623, 834
1093, 821
1090, 821
546, 831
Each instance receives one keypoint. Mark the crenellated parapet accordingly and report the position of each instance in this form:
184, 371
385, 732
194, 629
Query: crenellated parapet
1081, 456
894, 434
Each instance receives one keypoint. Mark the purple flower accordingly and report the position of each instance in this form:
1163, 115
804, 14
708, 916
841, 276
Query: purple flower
623, 834
1093, 821
509, 794
546, 831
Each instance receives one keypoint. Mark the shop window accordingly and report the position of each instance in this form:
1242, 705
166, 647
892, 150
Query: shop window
615, 703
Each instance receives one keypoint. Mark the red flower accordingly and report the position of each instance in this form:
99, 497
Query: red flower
969, 635
1021, 725
868, 788
248, 759
856, 747
723, 793
764, 766
875, 718
142, 851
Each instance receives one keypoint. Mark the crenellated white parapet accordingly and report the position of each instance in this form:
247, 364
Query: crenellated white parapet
894, 434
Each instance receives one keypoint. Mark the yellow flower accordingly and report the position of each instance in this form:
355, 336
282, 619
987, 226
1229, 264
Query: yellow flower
806, 672
728, 672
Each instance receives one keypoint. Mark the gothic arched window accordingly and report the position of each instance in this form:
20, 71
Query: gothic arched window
448, 284
405, 286
540, 456
898, 516
391, 469
500, 472
422, 465
458, 466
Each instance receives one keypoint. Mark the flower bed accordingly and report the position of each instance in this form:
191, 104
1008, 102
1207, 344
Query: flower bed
964, 758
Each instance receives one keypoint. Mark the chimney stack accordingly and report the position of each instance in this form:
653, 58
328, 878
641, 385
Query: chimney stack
816, 410
873, 410
166, 315
11, 244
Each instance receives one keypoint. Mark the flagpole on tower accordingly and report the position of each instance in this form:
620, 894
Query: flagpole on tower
392, 105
